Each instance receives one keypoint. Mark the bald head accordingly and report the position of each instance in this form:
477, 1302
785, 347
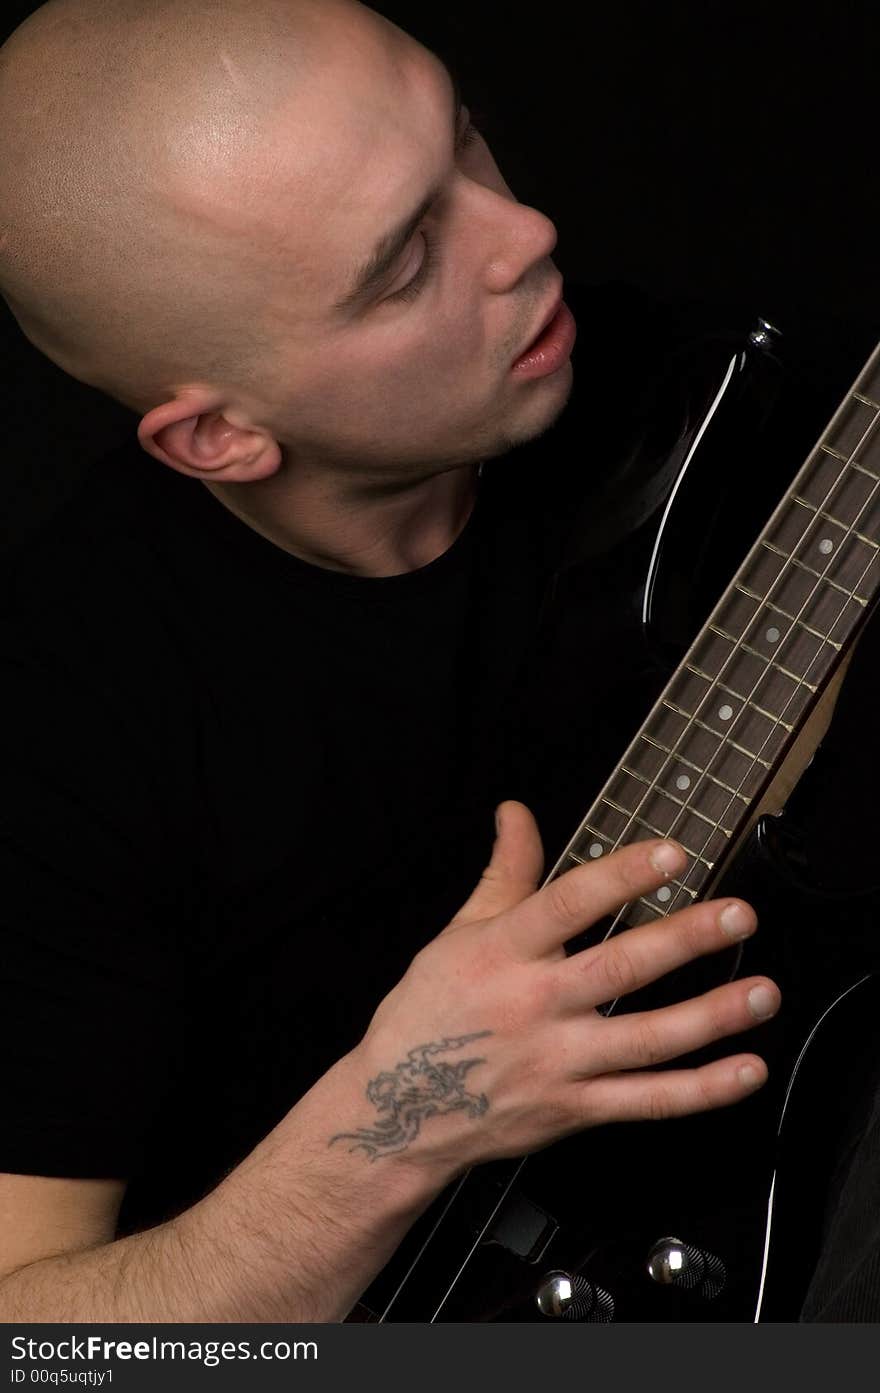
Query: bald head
269, 226
137, 161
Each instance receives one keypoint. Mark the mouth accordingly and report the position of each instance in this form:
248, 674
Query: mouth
547, 318
552, 346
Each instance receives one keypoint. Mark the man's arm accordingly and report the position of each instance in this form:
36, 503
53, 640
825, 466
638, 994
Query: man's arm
491, 1045
294, 1233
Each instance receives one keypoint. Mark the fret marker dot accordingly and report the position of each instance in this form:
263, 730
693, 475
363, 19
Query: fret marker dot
596, 849
826, 545
682, 781
664, 893
725, 712
772, 635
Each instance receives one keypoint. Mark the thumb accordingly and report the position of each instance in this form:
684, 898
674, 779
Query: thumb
514, 868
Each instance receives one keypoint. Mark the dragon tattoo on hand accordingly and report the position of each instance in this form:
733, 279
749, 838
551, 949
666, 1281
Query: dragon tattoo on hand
420, 1086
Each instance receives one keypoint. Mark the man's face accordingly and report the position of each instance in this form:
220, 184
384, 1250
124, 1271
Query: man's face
414, 375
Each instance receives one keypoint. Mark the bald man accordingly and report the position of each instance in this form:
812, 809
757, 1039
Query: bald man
256, 671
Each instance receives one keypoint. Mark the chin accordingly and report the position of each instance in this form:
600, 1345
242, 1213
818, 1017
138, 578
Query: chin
541, 408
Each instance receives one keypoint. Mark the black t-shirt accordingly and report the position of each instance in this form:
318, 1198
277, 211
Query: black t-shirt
240, 791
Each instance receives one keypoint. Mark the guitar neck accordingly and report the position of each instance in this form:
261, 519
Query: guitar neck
723, 725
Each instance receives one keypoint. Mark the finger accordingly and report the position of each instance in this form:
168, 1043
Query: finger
644, 1038
515, 867
577, 898
634, 958
672, 1092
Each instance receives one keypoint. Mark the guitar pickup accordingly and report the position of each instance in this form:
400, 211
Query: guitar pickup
523, 1228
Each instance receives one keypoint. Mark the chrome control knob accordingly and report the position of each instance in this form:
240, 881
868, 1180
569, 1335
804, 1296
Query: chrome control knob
674, 1263
561, 1295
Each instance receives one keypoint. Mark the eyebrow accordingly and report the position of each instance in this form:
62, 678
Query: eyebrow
373, 271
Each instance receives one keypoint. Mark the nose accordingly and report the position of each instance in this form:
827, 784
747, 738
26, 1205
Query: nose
524, 237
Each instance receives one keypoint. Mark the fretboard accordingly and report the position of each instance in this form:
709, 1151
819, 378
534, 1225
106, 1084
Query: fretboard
722, 727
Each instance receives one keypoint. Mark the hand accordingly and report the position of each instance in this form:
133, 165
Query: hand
491, 1044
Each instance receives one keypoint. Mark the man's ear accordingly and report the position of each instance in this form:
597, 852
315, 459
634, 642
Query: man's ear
191, 435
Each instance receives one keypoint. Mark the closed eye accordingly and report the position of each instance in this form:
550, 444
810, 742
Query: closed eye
469, 136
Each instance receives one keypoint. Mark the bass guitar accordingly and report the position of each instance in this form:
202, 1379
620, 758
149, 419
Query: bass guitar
687, 1220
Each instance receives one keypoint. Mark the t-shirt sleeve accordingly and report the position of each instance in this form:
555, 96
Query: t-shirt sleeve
93, 974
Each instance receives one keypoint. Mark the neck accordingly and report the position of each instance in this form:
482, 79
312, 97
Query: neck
355, 525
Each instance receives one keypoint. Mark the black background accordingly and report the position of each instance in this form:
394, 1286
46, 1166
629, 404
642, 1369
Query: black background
702, 151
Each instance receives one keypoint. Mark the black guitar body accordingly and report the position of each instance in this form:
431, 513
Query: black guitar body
667, 1220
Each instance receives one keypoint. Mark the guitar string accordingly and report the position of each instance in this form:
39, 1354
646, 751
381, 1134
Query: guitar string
664, 912
652, 786
799, 683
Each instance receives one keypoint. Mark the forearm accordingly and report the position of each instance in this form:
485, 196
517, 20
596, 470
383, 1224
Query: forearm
295, 1233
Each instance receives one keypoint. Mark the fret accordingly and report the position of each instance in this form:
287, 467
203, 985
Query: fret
825, 617
672, 895
642, 912
852, 428
755, 732
773, 690
592, 844
735, 613
793, 619
816, 541
658, 757
600, 833
829, 517
786, 614
776, 663
869, 378
575, 861
799, 682
731, 691
671, 831
818, 512
853, 564
778, 667
796, 590
860, 468
778, 609
728, 769
805, 652
829, 605
714, 652
802, 566
658, 750
670, 719
695, 695
713, 808
848, 491
666, 900
662, 806
801, 623
867, 400
714, 801
755, 706
834, 453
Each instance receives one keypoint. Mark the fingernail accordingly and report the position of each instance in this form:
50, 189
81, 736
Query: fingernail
748, 1076
762, 1002
736, 921
668, 857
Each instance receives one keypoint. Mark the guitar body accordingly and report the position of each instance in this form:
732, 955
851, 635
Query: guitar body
669, 1220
